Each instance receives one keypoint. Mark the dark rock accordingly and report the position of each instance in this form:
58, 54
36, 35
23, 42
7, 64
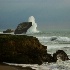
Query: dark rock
53, 38
48, 58
60, 54
22, 49
23, 27
8, 31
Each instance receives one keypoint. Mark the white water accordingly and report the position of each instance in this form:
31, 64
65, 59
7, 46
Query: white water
53, 39
55, 43
47, 66
33, 28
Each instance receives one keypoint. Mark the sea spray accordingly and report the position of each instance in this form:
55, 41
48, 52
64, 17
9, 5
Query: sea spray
33, 28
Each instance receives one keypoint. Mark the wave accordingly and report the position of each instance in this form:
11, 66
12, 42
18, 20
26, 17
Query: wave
33, 28
55, 39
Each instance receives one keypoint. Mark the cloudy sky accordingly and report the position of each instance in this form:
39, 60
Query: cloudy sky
49, 14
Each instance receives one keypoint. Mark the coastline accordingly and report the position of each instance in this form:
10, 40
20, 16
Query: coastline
11, 67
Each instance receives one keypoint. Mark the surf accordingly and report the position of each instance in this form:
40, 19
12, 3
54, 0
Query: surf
33, 28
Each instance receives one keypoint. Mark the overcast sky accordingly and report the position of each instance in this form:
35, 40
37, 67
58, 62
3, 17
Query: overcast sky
49, 14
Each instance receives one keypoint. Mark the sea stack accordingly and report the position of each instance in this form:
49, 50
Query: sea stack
23, 27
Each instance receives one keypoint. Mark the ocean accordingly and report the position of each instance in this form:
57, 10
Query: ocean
54, 40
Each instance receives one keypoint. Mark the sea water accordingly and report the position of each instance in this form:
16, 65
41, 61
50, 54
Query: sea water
54, 40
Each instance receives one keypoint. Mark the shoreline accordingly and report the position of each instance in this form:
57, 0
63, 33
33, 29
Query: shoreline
12, 67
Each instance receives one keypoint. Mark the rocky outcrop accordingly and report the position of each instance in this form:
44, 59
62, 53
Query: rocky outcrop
22, 49
23, 27
27, 50
8, 31
60, 54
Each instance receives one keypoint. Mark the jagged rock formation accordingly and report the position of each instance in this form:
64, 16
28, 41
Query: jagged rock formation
23, 27
22, 49
8, 31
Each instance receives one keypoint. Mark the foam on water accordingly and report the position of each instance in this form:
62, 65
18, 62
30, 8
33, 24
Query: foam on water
54, 39
47, 66
33, 28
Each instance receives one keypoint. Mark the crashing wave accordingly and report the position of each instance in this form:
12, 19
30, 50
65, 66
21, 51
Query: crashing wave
33, 28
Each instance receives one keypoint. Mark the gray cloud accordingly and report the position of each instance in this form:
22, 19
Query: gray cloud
46, 12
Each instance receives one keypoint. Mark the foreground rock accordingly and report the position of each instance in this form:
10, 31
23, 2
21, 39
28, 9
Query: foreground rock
26, 50
22, 49
60, 54
23, 27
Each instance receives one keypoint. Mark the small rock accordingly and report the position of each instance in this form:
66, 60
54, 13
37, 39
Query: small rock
60, 54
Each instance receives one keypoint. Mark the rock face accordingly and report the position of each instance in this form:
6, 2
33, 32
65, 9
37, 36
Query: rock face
23, 27
26, 50
22, 49
61, 55
8, 31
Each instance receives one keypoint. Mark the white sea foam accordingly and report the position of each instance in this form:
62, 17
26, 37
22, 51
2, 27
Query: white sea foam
63, 65
54, 39
33, 28
54, 43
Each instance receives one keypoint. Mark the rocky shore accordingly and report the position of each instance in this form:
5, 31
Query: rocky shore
24, 49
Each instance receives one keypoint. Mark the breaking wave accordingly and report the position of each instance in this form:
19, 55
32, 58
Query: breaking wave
33, 28
55, 39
